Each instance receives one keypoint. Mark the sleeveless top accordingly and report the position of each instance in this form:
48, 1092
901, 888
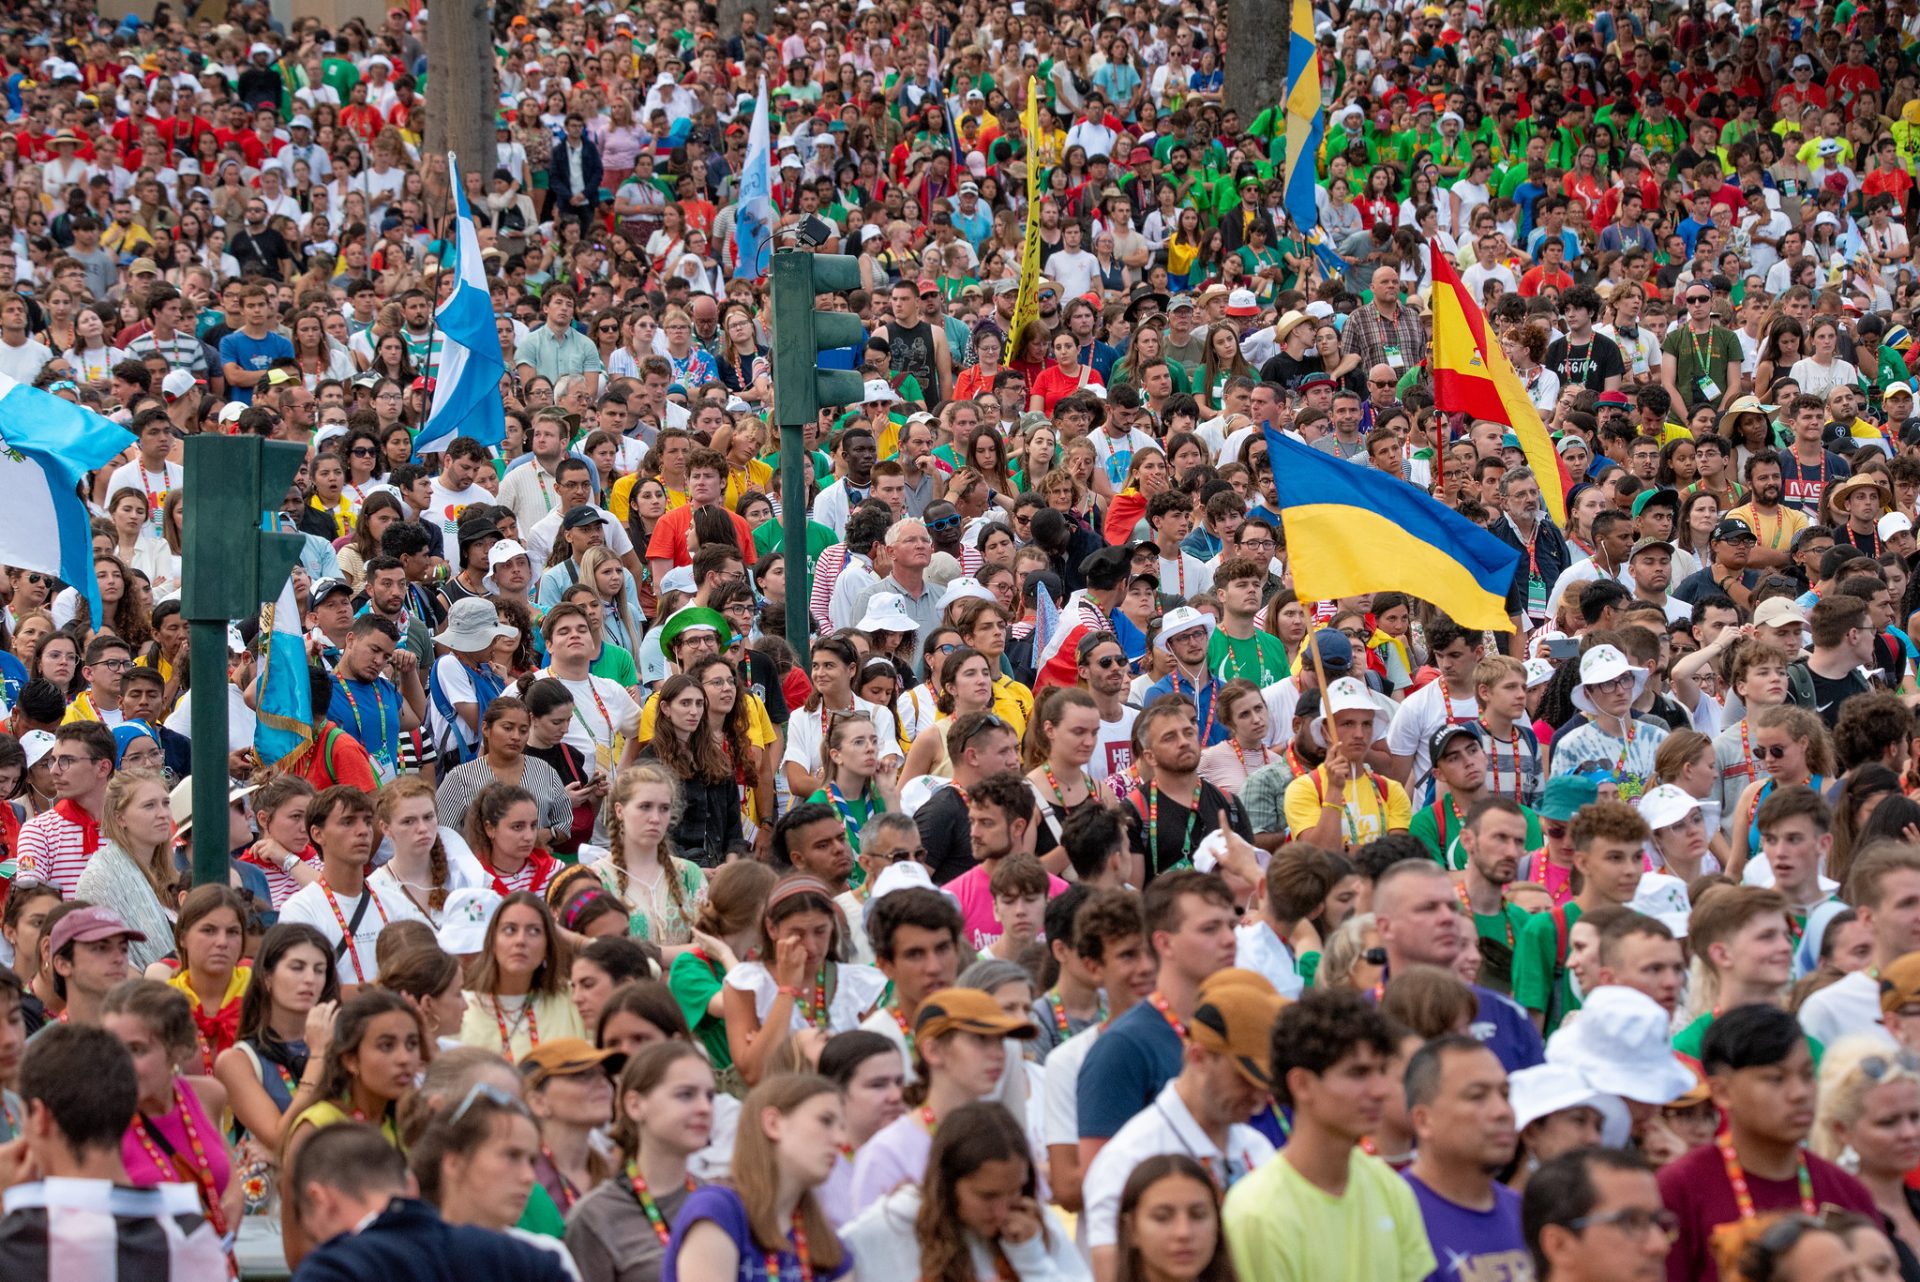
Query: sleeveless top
167, 1136
910, 351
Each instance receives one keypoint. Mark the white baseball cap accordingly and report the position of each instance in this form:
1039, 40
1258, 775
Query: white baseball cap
1894, 523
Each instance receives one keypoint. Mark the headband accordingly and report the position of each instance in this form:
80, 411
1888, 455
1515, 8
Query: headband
798, 886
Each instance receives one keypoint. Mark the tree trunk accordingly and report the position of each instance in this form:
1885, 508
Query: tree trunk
462, 92
1256, 56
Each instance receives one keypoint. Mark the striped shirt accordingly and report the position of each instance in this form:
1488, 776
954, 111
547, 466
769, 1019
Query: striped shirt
55, 846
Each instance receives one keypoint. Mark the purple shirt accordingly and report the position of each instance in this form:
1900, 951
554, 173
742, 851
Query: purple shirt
722, 1206
1470, 1243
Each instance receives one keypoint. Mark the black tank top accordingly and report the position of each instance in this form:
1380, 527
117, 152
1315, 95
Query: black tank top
910, 350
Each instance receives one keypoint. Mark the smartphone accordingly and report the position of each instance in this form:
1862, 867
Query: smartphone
1563, 648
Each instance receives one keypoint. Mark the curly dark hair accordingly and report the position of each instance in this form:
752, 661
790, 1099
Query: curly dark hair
1324, 1027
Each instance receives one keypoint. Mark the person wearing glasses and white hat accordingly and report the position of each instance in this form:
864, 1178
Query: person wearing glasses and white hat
1611, 739
1185, 634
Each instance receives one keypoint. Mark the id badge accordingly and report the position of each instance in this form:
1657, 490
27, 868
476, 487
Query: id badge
1709, 388
1394, 358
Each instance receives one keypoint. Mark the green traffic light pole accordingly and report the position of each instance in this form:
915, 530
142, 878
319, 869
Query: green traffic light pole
229, 565
801, 389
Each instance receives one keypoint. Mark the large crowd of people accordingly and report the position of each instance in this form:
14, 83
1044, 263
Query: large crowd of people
1060, 895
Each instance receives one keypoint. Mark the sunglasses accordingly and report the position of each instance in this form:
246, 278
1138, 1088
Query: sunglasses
363, 451
1111, 661
487, 1091
1770, 752
944, 524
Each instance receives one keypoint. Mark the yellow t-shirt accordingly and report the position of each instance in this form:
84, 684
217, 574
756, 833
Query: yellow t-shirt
620, 497
1281, 1228
1776, 532
329, 1113
754, 476
1012, 703
1374, 806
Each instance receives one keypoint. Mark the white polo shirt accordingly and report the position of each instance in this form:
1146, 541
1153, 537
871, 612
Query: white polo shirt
1165, 1126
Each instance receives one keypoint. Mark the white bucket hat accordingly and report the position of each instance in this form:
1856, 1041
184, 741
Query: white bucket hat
1546, 1089
463, 924
1666, 806
472, 625
1348, 694
1620, 1045
1600, 665
1182, 618
887, 612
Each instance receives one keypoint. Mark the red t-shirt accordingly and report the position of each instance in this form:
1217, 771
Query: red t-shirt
1696, 1189
1054, 384
669, 541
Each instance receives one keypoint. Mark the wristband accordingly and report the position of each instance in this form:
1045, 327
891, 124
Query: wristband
788, 990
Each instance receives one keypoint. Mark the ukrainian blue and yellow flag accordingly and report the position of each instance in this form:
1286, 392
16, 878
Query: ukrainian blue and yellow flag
1306, 123
1351, 529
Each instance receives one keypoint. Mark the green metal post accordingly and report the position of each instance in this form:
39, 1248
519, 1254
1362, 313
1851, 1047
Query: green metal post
800, 390
207, 708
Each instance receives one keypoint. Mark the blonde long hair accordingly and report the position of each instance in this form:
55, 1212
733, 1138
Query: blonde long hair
157, 866
631, 777
590, 562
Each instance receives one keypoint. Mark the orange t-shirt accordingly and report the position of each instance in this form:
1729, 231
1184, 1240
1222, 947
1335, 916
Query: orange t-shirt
669, 541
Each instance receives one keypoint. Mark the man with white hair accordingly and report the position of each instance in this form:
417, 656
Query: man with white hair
910, 550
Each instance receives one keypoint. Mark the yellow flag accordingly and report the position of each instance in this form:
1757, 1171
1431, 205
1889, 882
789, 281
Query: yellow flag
1026, 306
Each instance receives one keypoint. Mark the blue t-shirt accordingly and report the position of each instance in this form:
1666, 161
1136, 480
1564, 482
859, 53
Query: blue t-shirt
1470, 1243
1123, 1073
252, 354
723, 1207
1507, 1031
370, 712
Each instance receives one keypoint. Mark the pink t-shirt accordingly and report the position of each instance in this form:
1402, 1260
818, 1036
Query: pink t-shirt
975, 897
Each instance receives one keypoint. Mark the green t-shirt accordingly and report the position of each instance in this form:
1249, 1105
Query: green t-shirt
1541, 981
1689, 1039
1499, 938
1438, 829
1261, 658
541, 1215
771, 538
693, 983
616, 665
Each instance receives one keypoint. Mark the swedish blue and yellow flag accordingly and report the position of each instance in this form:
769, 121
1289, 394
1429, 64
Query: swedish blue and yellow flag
1350, 529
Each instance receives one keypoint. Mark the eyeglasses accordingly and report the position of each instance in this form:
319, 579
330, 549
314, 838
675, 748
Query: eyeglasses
113, 665
1621, 682
487, 1091
1634, 1221
1876, 1067
68, 763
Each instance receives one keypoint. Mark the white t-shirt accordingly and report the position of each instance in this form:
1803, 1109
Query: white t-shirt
357, 963
155, 485
540, 540
1113, 750
443, 512
1116, 452
601, 724
805, 737
463, 872
1258, 949
1164, 1126
1849, 1005
1417, 719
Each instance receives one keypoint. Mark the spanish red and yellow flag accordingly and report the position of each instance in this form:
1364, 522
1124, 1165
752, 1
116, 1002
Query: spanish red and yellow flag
1472, 376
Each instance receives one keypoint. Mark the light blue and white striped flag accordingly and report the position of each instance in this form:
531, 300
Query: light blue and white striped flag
753, 226
466, 393
285, 725
47, 446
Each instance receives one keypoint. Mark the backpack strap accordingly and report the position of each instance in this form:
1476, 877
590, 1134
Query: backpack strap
326, 753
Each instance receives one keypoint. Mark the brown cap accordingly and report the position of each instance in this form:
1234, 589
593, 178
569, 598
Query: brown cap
1235, 1018
968, 1010
561, 1057
1900, 983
